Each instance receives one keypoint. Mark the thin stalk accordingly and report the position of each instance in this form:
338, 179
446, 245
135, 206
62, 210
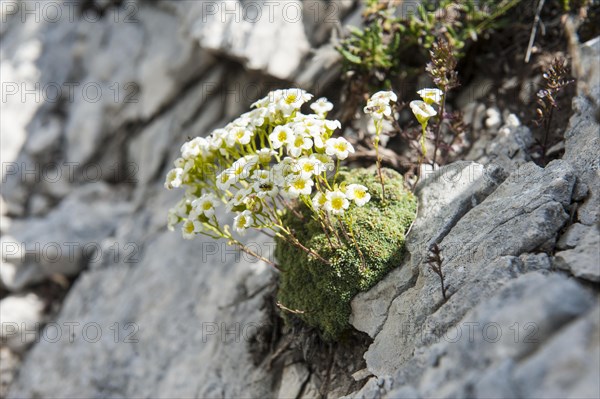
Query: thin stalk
252, 253
378, 127
438, 130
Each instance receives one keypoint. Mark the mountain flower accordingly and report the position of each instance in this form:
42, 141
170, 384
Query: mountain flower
358, 193
431, 96
321, 106
206, 205
338, 147
242, 221
174, 178
422, 111
299, 186
297, 144
336, 202
281, 135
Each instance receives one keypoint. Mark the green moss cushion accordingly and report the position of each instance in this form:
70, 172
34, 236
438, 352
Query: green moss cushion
323, 292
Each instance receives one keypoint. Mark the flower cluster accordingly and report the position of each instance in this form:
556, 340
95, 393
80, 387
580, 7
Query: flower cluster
261, 163
423, 110
379, 107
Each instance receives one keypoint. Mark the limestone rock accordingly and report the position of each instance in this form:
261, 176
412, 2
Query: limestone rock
292, 381
64, 241
583, 260
21, 317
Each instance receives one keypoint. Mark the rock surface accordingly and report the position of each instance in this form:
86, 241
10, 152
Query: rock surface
152, 315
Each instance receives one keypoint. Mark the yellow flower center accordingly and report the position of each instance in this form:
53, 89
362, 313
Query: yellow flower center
291, 98
340, 147
337, 203
359, 194
282, 136
299, 184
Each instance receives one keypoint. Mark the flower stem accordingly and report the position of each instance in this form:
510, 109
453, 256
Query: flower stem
378, 128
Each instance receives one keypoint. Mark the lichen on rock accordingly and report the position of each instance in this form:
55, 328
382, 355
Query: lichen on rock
319, 294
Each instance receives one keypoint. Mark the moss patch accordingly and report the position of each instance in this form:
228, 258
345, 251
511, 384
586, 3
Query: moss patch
323, 292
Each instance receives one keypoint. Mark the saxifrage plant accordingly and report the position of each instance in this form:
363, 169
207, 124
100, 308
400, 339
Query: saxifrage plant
277, 170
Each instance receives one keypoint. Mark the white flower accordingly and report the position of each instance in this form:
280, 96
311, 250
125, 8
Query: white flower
338, 147
332, 125
319, 200
190, 228
265, 155
237, 200
422, 111
174, 178
324, 162
308, 166
308, 124
431, 96
298, 143
378, 105
384, 96
265, 189
172, 219
225, 179
256, 117
284, 171
298, 186
281, 135
261, 175
263, 102
217, 138
321, 106
194, 147
242, 221
336, 202
206, 205
239, 135
358, 193
292, 100
243, 167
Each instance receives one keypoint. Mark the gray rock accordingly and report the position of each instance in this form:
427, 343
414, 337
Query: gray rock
361, 374
405, 392
370, 308
9, 366
292, 381
254, 37
530, 201
572, 235
64, 241
582, 140
567, 365
375, 388
173, 322
513, 324
21, 317
508, 149
583, 260
533, 262
445, 196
